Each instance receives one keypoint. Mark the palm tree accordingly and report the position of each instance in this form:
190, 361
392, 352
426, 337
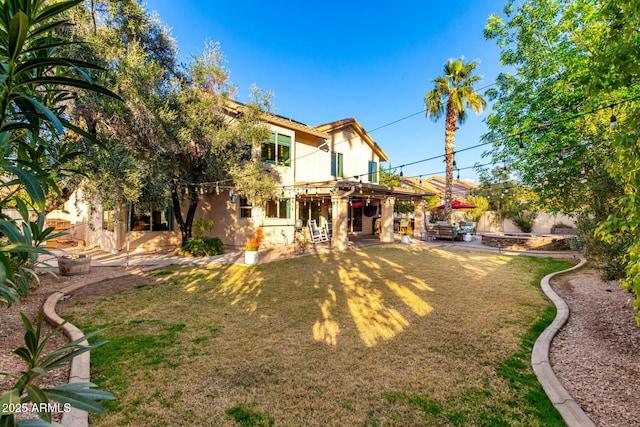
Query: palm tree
455, 90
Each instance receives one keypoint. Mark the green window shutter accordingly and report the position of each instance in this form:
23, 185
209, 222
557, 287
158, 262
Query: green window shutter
340, 165
373, 172
334, 164
285, 208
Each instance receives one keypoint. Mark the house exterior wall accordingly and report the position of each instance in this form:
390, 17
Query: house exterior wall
311, 161
314, 164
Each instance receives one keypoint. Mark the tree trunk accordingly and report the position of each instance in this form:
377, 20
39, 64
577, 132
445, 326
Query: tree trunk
185, 224
449, 152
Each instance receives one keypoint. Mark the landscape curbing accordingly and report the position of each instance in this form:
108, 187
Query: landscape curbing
571, 412
80, 365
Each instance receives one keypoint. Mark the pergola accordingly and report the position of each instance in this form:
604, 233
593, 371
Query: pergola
342, 193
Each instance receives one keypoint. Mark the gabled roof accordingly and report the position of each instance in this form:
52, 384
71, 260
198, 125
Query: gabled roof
237, 107
351, 122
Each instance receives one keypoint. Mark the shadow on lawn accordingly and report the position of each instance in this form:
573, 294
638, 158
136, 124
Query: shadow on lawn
370, 285
387, 288
382, 290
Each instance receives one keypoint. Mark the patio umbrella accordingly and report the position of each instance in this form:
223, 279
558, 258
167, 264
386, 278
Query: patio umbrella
456, 204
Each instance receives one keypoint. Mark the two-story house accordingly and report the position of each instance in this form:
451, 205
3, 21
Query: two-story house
327, 173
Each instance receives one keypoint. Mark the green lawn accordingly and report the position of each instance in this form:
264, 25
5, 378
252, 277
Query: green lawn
385, 336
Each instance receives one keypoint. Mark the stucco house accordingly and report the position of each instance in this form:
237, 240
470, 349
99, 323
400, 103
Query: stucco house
327, 173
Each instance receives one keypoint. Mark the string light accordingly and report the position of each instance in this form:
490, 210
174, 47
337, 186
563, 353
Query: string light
613, 125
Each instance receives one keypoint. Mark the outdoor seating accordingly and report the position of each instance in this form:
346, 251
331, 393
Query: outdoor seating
405, 226
443, 231
318, 234
468, 227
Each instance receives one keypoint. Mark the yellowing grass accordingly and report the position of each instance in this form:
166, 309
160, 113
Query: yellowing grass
387, 335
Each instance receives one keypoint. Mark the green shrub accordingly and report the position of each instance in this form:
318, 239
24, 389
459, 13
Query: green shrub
203, 246
609, 257
201, 225
562, 225
524, 220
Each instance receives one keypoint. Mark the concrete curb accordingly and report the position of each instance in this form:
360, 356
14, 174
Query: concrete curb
571, 412
80, 365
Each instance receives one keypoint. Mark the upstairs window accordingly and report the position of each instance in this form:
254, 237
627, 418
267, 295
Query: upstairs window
279, 208
277, 150
337, 162
373, 172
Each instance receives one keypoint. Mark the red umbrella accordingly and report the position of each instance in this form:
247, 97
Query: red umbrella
456, 204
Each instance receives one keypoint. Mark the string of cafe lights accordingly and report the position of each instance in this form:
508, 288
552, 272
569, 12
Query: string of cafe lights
220, 184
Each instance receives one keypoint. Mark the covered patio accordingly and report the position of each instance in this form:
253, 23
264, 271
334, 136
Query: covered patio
352, 207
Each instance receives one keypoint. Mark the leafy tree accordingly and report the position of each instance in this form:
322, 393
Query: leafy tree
618, 74
453, 93
210, 147
36, 83
573, 64
175, 130
388, 176
545, 124
141, 55
404, 207
475, 214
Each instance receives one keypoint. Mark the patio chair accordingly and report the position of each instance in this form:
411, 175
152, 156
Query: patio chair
318, 234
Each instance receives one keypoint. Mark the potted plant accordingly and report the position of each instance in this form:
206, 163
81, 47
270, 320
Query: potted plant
252, 246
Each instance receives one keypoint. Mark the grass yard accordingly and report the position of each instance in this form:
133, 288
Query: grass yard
388, 335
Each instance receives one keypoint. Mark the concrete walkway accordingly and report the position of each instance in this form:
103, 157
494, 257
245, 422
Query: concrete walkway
105, 259
571, 413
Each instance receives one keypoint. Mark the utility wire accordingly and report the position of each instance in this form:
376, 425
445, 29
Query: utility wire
514, 135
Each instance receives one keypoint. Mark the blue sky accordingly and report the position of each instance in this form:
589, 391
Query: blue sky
325, 61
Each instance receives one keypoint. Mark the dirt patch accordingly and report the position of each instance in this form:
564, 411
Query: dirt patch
595, 355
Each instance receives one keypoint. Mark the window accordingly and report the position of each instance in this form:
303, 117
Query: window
245, 208
151, 220
279, 208
373, 172
337, 165
108, 217
311, 210
277, 150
